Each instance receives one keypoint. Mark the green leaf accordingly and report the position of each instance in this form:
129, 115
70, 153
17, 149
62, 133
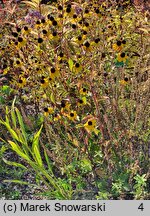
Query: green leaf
2, 122
39, 120
13, 116
18, 150
52, 97
36, 137
70, 62
19, 182
21, 125
2, 100
6, 89
35, 147
119, 64
11, 163
2, 150
3, 139
11, 131
6, 116
86, 165
38, 155
48, 162
20, 136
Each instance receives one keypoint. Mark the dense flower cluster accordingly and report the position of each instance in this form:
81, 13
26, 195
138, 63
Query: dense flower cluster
59, 56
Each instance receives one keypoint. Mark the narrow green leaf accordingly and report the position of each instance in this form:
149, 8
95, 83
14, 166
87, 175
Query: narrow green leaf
3, 140
13, 116
6, 116
2, 100
70, 62
11, 131
19, 182
18, 150
35, 147
2, 122
21, 124
3, 149
37, 155
48, 162
11, 163
20, 136
52, 97
36, 137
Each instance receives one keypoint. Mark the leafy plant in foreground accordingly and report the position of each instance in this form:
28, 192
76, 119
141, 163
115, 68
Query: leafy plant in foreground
31, 155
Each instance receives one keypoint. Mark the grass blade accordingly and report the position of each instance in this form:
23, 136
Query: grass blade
11, 163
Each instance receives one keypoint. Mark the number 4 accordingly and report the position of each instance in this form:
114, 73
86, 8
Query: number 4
141, 207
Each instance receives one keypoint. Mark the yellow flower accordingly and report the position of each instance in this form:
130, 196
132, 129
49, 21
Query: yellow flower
95, 43
124, 81
61, 56
21, 82
87, 46
48, 110
18, 63
86, 26
26, 30
80, 39
54, 36
57, 117
54, 73
21, 42
43, 22
46, 33
75, 18
97, 12
123, 42
87, 13
83, 91
72, 116
2, 51
90, 126
55, 23
60, 7
44, 82
103, 6
38, 24
77, 67
69, 11
39, 70
122, 57
82, 102
51, 80
5, 71
65, 105
40, 40
117, 46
